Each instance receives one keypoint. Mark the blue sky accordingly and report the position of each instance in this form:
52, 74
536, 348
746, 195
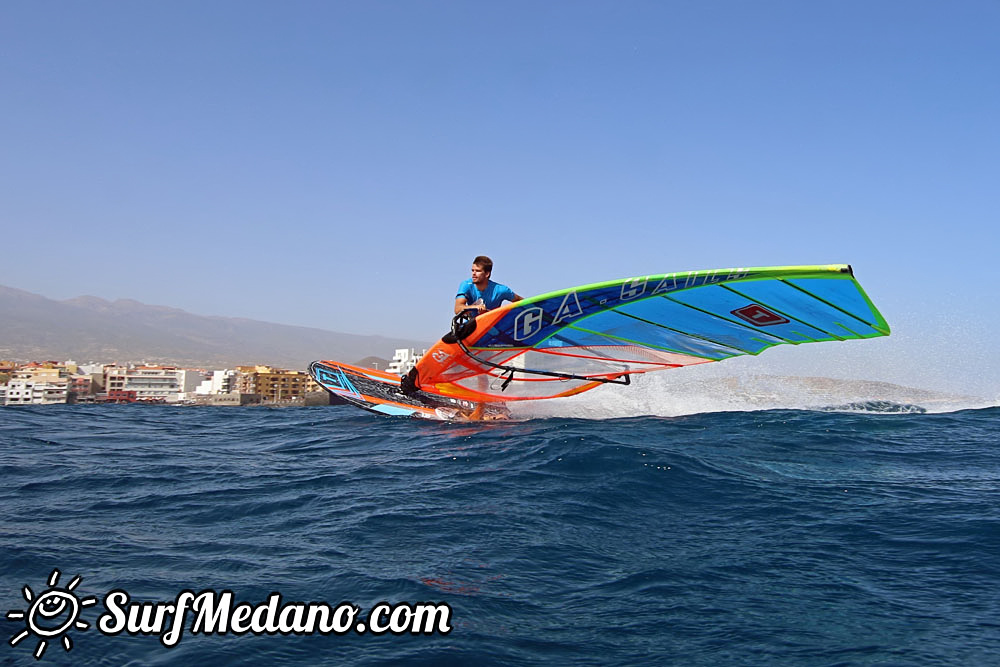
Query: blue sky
338, 164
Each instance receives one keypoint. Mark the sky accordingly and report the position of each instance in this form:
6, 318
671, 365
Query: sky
339, 164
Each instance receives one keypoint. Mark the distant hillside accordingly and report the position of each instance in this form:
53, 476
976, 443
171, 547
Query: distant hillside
378, 363
33, 327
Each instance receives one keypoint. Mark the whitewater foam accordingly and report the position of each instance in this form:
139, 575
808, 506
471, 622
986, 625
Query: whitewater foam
679, 393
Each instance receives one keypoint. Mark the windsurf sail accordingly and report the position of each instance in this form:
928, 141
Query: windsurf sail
566, 342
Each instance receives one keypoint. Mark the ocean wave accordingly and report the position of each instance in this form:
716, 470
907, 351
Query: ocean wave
782, 535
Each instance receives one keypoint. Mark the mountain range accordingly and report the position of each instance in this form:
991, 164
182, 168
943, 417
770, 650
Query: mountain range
87, 328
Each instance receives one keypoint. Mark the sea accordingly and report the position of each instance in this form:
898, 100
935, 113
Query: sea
850, 534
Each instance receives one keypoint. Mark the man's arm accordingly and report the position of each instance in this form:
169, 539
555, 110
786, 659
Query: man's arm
462, 304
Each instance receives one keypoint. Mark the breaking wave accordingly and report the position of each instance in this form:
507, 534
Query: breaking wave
675, 395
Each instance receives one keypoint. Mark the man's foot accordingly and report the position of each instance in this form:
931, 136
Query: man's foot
408, 383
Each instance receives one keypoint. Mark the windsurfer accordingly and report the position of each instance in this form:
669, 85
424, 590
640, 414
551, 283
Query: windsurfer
479, 293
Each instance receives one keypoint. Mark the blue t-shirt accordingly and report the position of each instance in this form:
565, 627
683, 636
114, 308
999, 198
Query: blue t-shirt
492, 296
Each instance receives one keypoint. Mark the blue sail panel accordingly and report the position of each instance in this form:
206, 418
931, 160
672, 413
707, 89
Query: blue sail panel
785, 299
844, 294
722, 303
670, 325
653, 337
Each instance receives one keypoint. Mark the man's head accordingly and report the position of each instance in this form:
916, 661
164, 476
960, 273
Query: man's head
482, 268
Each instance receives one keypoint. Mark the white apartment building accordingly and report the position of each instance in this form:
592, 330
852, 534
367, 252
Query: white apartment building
27, 391
153, 383
221, 382
403, 360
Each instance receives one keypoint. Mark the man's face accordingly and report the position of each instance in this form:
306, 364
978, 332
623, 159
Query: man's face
478, 274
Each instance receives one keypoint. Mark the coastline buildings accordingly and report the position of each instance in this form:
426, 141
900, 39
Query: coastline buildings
52, 382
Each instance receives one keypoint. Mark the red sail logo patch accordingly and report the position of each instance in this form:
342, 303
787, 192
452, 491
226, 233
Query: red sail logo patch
758, 315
